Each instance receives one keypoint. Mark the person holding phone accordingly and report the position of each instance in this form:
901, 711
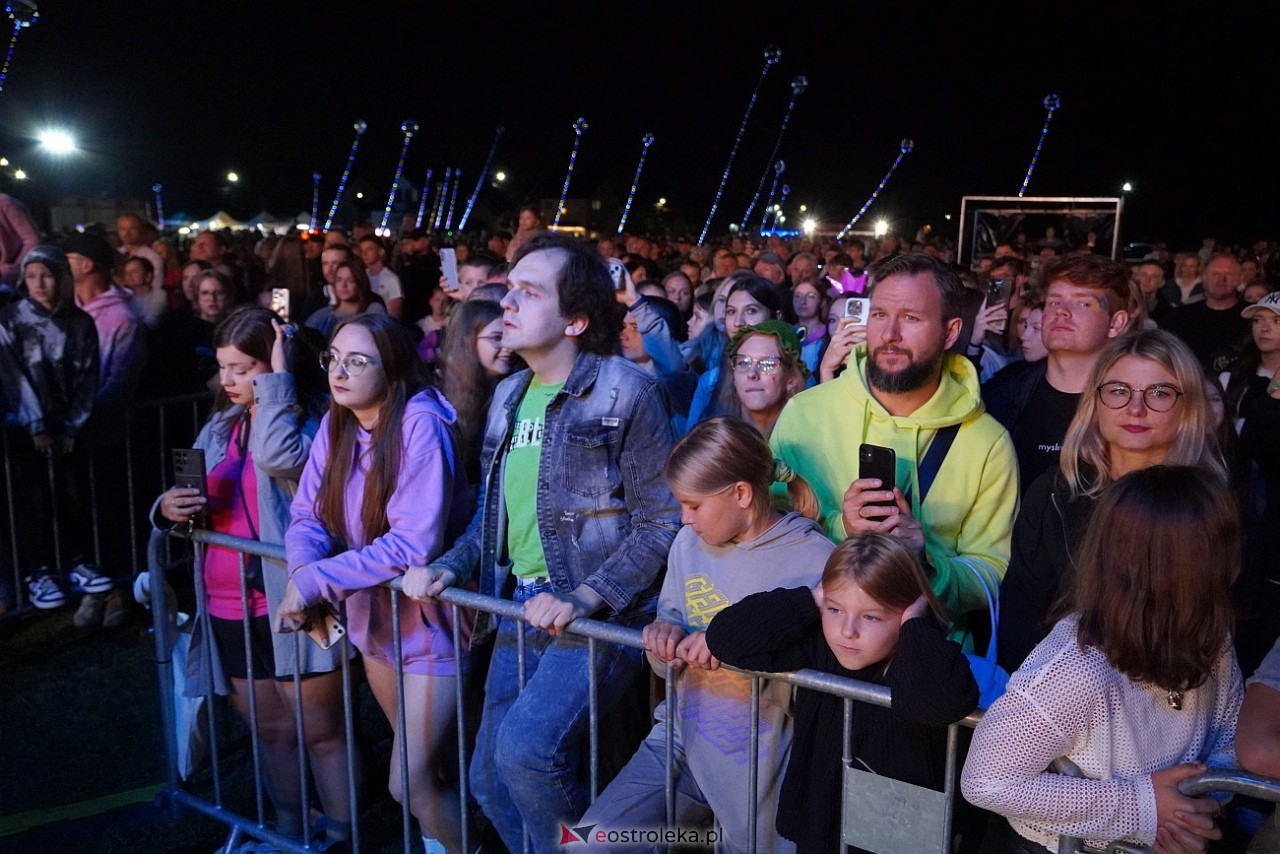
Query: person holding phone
255, 445
384, 489
846, 328
903, 390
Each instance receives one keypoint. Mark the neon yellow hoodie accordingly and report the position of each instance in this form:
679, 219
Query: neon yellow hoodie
968, 514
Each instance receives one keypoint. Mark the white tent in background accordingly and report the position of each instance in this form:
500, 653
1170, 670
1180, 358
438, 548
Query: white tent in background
263, 221
218, 221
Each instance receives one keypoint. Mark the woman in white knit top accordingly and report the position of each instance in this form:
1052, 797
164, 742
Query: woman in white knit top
1138, 686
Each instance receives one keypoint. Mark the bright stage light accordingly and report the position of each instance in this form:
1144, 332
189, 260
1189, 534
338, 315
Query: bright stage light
57, 141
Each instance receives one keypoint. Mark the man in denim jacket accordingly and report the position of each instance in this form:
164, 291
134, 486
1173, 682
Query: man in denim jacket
575, 520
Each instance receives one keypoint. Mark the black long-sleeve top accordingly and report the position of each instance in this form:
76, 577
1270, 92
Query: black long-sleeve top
928, 676
1046, 534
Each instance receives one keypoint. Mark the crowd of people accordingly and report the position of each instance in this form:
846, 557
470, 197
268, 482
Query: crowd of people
772, 454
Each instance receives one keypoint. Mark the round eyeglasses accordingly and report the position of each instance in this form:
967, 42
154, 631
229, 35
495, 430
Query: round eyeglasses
743, 364
352, 366
1157, 398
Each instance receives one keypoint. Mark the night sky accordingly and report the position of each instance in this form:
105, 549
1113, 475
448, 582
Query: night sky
1177, 97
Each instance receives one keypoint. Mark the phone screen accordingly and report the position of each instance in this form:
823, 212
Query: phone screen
617, 273
449, 266
280, 303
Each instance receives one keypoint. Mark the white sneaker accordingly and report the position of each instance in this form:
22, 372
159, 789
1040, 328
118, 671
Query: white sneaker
87, 578
44, 591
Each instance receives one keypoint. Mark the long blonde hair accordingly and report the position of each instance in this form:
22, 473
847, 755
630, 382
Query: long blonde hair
722, 451
1084, 445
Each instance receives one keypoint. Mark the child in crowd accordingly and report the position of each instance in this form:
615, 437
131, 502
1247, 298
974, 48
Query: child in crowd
382, 491
1137, 686
873, 618
733, 543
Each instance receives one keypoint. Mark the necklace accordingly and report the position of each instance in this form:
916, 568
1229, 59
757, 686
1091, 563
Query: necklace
1174, 699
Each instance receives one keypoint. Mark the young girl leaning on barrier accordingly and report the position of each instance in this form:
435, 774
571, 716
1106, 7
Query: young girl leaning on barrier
733, 543
1137, 685
384, 490
256, 444
873, 618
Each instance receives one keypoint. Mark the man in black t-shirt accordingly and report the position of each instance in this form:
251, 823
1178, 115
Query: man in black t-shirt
1213, 327
1087, 303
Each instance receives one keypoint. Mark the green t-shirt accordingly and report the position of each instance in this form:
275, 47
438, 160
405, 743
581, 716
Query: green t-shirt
520, 482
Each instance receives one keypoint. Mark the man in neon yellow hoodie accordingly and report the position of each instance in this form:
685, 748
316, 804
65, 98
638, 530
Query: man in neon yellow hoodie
902, 389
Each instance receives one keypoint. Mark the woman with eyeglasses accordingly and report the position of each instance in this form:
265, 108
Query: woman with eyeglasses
767, 372
382, 491
471, 364
1144, 405
265, 415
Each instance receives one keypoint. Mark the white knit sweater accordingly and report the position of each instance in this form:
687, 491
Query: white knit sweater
1068, 701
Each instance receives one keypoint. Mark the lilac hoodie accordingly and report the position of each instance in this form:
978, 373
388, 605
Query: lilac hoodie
427, 508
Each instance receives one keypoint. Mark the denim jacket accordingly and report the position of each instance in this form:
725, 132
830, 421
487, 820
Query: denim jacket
605, 512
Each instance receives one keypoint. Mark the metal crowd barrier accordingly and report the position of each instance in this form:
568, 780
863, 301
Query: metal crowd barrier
1214, 781
165, 423
879, 813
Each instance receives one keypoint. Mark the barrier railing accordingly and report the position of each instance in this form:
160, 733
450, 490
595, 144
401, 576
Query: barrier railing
121, 495
885, 815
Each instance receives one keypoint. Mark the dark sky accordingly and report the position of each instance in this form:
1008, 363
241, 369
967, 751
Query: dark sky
1177, 97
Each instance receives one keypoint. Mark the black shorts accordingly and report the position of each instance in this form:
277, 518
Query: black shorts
229, 636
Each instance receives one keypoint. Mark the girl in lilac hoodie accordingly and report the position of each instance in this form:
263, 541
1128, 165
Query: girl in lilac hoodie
383, 491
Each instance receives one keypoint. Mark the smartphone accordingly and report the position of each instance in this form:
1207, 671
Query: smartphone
449, 266
617, 274
280, 303
999, 291
324, 627
856, 308
882, 464
188, 470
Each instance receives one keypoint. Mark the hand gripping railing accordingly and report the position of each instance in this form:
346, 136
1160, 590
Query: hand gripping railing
916, 809
1214, 781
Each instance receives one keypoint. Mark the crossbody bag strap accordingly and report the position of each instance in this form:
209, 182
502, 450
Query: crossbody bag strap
927, 469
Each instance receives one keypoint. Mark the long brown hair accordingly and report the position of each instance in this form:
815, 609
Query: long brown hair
1152, 584
250, 330
466, 384
405, 377
364, 290
885, 568
722, 451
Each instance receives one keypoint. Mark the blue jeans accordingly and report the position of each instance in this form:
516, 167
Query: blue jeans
527, 769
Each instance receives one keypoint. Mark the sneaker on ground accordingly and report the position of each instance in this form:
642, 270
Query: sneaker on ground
87, 578
44, 591
89, 614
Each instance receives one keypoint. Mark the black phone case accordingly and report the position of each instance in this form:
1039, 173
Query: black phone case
880, 463
188, 470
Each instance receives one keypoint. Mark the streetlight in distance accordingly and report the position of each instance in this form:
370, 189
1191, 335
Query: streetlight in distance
500, 176
232, 178
56, 141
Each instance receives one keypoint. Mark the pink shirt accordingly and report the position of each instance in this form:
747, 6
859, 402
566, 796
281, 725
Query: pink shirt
231, 482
